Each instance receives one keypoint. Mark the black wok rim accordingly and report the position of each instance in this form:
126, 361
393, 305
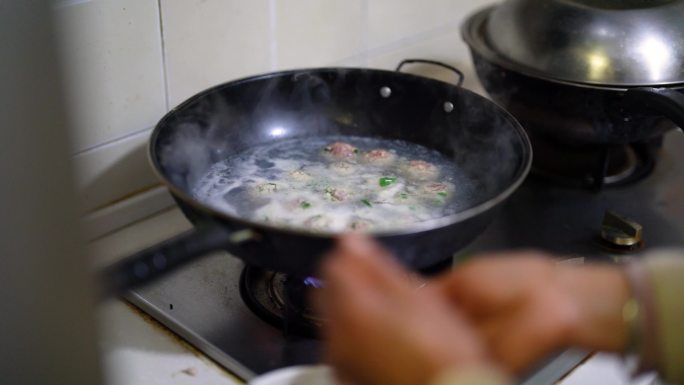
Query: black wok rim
471, 34
422, 226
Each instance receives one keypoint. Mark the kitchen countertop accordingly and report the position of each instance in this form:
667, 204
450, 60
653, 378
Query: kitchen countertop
137, 350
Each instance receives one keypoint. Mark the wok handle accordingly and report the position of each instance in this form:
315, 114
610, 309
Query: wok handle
458, 72
157, 260
661, 101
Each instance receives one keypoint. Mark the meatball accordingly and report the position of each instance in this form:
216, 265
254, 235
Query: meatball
436, 192
437, 188
297, 204
266, 188
404, 198
337, 194
340, 150
318, 222
379, 157
421, 170
361, 224
300, 175
343, 168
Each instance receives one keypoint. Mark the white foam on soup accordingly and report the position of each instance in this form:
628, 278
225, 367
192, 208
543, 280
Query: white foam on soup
297, 183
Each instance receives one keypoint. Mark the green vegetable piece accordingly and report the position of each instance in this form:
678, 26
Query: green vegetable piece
366, 202
442, 193
305, 205
403, 196
387, 180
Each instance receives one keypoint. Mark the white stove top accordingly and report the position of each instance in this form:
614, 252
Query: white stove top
138, 350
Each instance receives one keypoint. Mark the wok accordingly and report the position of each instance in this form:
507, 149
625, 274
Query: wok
480, 137
572, 112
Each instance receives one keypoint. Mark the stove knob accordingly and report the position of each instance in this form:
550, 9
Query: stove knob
620, 231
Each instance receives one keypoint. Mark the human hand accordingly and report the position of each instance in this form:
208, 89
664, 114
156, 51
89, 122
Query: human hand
526, 305
382, 329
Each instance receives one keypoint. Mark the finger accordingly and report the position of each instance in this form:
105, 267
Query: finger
379, 264
360, 244
478, 299
496, 332
367, 251
357, 308
353, 308
349, 289
357, 248
343, 379
522, 339
491, 283
341, 268
327, 274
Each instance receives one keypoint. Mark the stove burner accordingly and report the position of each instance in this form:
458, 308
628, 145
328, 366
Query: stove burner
594, 166
281, 300
313, 282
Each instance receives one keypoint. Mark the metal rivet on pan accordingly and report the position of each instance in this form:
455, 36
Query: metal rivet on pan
159, 260
140, 269
448, 106
385, 92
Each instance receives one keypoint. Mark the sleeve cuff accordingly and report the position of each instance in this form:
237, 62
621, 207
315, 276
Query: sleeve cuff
665, 276
484, 375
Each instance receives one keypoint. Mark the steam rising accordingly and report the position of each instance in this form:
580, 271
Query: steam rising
231, 186
231, 118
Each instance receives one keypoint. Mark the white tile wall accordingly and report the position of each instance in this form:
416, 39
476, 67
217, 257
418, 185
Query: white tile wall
112, 171
208, 42
312, 33
392, 20
112, 54
129, 60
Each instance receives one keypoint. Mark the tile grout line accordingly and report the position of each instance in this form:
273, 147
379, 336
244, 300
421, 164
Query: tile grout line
112, 141
272, 33
58, 4
163, 57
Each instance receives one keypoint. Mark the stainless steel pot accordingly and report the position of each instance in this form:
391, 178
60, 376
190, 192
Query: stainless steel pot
618, 43
581, 71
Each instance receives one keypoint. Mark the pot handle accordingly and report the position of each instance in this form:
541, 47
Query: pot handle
157, 260
661, 101
459, 74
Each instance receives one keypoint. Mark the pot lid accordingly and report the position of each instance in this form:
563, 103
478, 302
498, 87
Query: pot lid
604, 42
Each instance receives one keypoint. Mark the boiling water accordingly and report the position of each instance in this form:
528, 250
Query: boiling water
297, 183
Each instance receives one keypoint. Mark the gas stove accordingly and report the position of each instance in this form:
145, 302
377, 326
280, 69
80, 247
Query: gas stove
244, 318
592, 166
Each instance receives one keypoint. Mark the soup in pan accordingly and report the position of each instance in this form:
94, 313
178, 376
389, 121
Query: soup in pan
337, 184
